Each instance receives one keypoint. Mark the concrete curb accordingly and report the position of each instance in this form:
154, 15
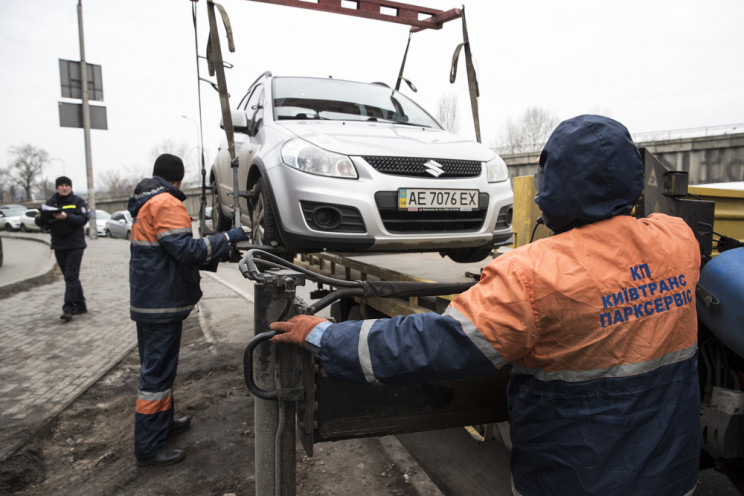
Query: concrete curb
49, 275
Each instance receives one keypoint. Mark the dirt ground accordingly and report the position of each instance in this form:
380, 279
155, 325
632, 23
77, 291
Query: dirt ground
88, 449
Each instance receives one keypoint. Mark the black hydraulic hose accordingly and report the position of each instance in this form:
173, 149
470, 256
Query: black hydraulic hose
249, 267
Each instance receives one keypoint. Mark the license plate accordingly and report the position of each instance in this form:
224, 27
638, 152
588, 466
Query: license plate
413, 199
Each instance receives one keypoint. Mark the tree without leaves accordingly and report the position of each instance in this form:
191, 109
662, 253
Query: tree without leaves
188, 154
447, 112
530, 132
113, 183
27, 163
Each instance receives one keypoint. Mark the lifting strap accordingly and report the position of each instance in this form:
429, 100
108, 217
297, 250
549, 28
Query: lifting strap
469, 67
472, 78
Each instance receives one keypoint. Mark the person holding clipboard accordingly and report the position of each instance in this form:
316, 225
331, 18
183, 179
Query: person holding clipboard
64, 215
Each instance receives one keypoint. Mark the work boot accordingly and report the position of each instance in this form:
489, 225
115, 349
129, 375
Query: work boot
179, 426
66, 316
165, 457
79, 309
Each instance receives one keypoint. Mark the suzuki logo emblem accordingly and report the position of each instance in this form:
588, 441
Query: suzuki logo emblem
434, 168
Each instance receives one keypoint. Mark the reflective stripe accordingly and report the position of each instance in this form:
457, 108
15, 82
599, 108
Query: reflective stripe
209, 249
625, 370
478, 339
145, 243
160, 395
68, 206
161, 310
177, 230
152, 192
365, 358
152, 403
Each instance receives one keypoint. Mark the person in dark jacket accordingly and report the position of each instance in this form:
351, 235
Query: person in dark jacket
164, 288
64, 216
598, 321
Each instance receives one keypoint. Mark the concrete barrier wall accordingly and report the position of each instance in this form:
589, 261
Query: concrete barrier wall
709, 159
193, 198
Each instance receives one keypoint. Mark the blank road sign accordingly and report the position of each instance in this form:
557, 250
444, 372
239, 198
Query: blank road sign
71, 115
72, 81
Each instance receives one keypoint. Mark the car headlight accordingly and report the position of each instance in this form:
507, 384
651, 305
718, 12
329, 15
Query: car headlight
496, 170
309, 158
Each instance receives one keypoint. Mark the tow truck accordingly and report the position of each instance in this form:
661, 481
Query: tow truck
293, 396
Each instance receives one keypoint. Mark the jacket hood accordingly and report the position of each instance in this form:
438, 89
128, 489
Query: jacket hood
589, 170
146, 189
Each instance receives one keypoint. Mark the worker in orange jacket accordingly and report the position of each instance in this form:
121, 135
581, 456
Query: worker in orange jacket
598, 321
164, 288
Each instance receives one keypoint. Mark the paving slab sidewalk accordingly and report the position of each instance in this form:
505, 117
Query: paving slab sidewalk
45, 364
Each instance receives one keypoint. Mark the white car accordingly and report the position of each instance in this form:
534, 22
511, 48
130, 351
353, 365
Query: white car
119, 225
27, 221
348, 166
101, 217
10, 217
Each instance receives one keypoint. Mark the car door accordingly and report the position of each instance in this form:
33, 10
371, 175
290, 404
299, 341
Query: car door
118, 225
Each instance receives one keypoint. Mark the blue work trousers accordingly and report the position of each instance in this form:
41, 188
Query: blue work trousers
158, 350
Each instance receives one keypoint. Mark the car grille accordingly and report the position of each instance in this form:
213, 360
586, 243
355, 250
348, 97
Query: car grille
431, 221
414, 166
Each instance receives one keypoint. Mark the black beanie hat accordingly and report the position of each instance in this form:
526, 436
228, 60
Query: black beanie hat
169, 167
62, 180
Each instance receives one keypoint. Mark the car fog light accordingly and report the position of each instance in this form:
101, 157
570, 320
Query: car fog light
327, 218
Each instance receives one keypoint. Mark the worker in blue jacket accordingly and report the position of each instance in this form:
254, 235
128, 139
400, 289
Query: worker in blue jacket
64, 215
598, 321
164, 288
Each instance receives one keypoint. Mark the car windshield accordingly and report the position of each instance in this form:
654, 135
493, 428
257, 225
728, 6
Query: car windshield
102, 215
333, 99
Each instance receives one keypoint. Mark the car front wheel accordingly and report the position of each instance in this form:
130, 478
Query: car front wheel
264, 229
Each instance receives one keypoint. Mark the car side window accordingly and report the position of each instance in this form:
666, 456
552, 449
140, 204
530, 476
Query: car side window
255, 108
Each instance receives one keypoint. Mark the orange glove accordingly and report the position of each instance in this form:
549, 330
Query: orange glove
295, 329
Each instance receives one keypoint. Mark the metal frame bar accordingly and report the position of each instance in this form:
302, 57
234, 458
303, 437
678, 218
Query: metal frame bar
418, 18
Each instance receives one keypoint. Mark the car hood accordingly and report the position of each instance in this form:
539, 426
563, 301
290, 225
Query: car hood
381, 138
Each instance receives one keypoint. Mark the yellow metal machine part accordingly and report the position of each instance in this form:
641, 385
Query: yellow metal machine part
526, 212
729, 211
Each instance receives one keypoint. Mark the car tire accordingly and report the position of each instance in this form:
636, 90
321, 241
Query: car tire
129, 234
107, 234
220, 222
264, 229
468, 255
23, 228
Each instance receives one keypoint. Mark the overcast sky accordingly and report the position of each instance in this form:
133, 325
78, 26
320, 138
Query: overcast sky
652, 65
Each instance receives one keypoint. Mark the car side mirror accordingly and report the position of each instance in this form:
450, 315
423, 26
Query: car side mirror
239, 120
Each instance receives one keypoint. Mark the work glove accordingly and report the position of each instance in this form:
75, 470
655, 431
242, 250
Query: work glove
237, 234
296, 329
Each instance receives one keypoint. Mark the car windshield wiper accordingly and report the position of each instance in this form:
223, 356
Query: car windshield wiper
395, 121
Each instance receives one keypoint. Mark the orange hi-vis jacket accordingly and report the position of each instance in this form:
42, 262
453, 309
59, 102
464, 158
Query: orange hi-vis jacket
600, 325
165, 257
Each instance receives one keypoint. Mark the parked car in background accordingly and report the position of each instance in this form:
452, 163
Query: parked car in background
15, 207
349, 166
10, 216
101, 217
119, 225
27, 221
